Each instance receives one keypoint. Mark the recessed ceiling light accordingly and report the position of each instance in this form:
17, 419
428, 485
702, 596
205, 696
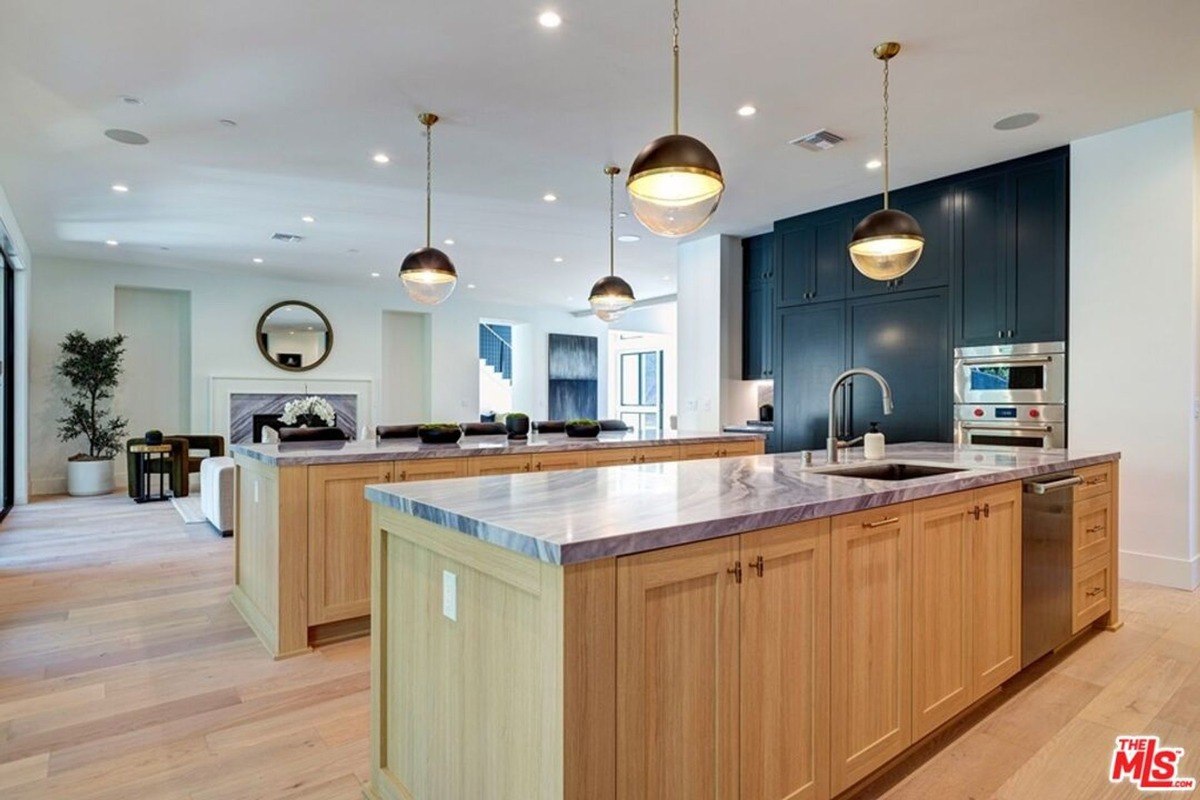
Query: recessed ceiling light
120, 188
257, 260
126, 137
558, 259
874, 163
628, 237
130, 100
1022, 120
381, 158
470, 286
353, 251
308, 218
549, 19
570, 298
309, 328
666, 277
549, 197
447, 241
374, 274
622, 214
747, 111
228, 123
112, 242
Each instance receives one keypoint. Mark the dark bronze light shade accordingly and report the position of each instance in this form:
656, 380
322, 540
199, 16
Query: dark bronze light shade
674, 185
886, 244
611, 296
428, 275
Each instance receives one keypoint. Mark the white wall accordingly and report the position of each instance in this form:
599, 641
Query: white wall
225, 310
711, 391
405, 370
1134, 357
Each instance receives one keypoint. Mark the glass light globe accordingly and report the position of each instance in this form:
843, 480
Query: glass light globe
886, 245
675, 185
610, 298
428, 275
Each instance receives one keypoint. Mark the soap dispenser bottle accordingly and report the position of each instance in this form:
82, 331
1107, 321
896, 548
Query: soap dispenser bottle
873, 443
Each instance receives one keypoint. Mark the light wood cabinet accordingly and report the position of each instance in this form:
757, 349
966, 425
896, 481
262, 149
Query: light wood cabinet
995, 588
1097, 480
500, 465
1090, 596
677, 673
339, 526
658, 454
871, 616
613, 457
785, 663
941, 609
553, 461
430, 469
691, 452
1093, 522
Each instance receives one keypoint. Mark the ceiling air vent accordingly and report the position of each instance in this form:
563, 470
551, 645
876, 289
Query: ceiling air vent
817, 140
287, 237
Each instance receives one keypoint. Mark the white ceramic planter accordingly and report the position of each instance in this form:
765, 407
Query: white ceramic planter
89, 478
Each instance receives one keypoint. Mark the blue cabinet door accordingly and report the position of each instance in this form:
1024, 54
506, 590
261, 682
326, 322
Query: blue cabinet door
810, 354
1037, 278
906, 338
811, 256
981, 291
758, 306
935, 210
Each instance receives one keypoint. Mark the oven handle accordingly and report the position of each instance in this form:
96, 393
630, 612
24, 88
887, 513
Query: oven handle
966, 426
994, 360
1053, 486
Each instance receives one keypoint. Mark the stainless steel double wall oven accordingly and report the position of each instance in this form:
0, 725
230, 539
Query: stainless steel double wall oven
1011, 394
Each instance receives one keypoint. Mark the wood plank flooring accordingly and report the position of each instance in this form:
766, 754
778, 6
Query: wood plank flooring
125, 673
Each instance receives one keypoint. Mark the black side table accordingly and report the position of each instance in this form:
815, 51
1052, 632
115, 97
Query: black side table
144, 455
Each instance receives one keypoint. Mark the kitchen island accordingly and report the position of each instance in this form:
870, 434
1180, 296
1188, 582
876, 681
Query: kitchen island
302, 525
745, 626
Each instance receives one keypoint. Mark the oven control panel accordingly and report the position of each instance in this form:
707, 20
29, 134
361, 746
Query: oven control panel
1009, 413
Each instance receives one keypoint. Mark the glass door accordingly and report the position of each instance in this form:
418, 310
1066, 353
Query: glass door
7, 305
641, 397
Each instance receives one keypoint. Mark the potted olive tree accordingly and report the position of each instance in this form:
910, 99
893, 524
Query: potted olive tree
92, 367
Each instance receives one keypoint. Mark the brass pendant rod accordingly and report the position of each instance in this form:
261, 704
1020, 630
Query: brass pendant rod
886, 160
428, 181
675, 64
611, 171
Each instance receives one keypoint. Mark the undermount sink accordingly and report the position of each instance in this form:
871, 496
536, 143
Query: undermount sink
889, 471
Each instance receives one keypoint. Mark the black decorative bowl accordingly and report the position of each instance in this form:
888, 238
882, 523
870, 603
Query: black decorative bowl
437, 434
582, 431
154, 437
517, 426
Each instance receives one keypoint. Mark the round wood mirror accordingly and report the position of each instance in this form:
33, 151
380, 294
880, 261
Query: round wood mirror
294, 335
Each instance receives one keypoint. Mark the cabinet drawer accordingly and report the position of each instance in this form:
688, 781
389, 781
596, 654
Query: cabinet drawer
1093, 528
741, 449
658, 454
688, 452
499, 465
549, 462
430, 469
1090, 596
1097, 480
613, 458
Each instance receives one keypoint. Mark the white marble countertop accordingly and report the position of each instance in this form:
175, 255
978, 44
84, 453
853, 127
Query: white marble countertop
582, 515
367, 450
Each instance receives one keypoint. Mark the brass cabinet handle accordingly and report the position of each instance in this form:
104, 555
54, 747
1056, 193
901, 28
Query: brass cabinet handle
757, 565
1096, 480
403, 475
1095, 529
642, 458
1096, 591
974, 512
525, 468
538, 466
387, 476
881, 522
987, 510
736, 571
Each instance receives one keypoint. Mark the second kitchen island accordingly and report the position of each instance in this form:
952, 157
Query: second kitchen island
743, 627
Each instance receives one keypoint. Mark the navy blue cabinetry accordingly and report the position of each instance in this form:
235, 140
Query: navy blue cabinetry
980, 295
814, 355
811, 256
906, 338
758, 307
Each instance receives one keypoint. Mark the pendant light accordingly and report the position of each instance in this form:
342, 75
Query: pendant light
611, 295
888, 242
428, 274
675, 183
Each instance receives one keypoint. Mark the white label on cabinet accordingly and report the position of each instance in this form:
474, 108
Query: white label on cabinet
450, 595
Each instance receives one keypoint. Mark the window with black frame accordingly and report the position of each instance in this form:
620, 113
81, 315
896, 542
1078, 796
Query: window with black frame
640, 392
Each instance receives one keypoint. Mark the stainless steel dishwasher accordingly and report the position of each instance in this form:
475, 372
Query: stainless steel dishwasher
1047, 549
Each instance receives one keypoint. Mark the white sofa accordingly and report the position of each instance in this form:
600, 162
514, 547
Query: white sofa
216, 493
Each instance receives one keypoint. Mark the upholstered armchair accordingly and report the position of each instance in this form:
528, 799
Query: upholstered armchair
202, 446
176, 468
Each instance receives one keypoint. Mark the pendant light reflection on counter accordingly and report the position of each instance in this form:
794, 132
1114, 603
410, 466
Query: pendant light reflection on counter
675, 183
887, 243
428, 275
611, 295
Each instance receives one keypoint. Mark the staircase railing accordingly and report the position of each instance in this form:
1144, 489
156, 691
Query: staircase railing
495, 348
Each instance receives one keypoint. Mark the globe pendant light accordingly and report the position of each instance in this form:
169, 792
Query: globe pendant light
428, 274
675, 183
611, 295
887, 243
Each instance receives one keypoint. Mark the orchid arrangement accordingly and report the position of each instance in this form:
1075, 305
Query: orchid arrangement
313, 406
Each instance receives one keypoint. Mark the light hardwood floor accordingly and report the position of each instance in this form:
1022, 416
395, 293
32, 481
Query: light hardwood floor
125, 673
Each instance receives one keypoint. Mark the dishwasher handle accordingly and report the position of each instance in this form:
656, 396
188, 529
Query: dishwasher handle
1053, 486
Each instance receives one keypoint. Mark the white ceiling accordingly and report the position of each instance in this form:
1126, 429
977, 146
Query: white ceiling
318, 87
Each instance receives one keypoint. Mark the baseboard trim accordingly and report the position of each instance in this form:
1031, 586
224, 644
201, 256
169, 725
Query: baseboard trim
1178, 573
